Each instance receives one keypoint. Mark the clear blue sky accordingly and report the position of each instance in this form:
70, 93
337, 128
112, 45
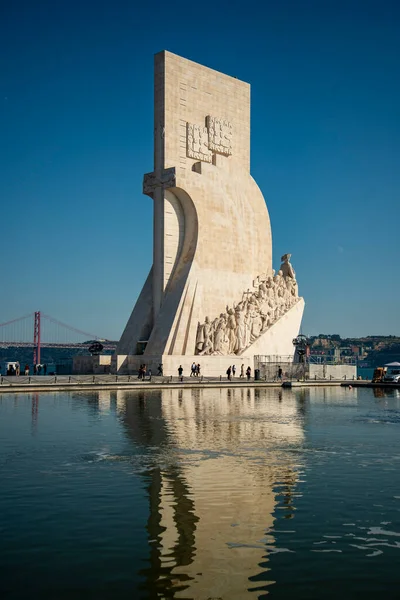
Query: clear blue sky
76, 128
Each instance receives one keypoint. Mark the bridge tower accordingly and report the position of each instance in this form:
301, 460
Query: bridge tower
36, 339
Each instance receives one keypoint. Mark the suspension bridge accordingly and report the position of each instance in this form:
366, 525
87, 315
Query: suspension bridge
38, 330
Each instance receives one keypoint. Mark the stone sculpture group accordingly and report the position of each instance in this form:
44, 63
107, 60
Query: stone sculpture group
236, 329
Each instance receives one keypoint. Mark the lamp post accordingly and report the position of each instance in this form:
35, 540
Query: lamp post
301, 344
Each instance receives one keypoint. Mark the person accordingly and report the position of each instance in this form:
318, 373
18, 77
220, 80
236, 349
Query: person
242, 371
160, 369
280, 373
140, 372
248, 373
39, 369
193, 370
44, 369
180, 372
18, 370
26, 370
149, 372
233, 370
198, 370
34, 369
228, 372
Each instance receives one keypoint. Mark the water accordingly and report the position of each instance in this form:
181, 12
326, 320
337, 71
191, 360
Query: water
199, 494
365, 372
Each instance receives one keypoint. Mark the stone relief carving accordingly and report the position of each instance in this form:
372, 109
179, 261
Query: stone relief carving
197, 142
151, 181
201, 142
220, 133
236, 329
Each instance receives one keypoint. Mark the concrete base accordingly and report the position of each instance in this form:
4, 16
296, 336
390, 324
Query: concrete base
91, 365
210, 366
277, 340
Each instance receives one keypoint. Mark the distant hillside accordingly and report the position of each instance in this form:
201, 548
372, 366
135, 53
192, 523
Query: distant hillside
374, 350
380, 357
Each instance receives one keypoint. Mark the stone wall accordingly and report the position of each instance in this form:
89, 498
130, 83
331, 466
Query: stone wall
332, 371
91, 365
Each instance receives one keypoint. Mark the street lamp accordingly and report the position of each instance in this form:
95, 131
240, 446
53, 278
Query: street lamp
301, 344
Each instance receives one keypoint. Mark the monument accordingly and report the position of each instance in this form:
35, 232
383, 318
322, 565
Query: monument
212, 296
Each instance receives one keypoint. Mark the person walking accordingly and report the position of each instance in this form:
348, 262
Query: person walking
160, 369
280, 372
26, 370
180, 372
44, 369
242, 371
228, 373
233, 370
198, 370
248, 373
193, 370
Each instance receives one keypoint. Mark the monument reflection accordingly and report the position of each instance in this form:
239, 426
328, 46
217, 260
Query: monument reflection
225, 463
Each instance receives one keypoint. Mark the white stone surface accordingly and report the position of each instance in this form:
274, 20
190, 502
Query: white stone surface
212, 234
328, 372
91, 365
276, 341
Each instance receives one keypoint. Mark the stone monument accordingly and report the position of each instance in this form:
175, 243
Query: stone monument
211, 296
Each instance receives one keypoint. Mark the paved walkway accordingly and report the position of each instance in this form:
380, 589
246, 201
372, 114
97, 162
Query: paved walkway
63, 382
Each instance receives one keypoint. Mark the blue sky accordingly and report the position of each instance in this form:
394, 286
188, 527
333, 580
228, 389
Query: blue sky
76, 126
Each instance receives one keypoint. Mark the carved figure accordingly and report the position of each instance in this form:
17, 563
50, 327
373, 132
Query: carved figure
256, 323
232, 332
247, 326
204, 342
231, 327
221, 342
286, 267
290, 277
241, 327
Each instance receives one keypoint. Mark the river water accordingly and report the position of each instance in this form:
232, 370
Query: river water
200, 494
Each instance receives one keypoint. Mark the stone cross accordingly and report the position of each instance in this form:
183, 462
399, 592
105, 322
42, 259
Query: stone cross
152, 181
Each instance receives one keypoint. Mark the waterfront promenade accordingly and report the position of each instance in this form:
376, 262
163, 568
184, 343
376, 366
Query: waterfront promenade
94, 382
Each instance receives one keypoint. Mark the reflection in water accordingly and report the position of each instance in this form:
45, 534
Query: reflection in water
193, 493
386, 392
35, 411
222, 470
330, 394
